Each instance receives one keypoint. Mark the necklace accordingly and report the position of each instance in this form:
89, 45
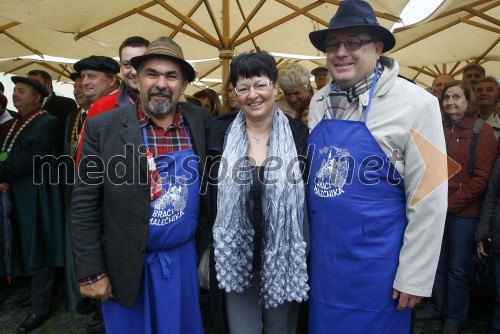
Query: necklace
258, 139
6, 150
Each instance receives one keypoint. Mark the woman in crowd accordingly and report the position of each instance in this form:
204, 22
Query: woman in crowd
260, 230
473, 146
210, 100
229, 98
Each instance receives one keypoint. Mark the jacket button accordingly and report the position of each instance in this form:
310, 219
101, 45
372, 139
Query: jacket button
144, 220
141, 251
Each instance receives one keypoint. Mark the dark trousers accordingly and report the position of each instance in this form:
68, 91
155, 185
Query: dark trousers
41, 291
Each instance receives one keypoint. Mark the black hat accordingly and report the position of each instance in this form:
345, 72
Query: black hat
35, 84
354, 14
167, 48
318, 70
97, 63
75, 75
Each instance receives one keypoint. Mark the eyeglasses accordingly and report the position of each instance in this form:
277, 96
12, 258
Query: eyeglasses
260, 86
351, 44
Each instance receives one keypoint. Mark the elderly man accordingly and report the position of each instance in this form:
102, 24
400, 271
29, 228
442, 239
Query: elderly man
99, 80
135, 216
376, 217
321, 76
473, 73
487, 93
295, 82
438, 84
38, 212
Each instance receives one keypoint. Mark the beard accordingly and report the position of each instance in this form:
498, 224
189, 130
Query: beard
160, 108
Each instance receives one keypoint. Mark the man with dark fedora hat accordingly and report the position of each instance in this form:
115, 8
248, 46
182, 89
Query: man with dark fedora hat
377, 217
36, 197
134, 225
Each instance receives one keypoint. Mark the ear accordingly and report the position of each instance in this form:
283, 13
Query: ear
184, 85
379, 46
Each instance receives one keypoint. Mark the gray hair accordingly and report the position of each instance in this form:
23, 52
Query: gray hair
292, 73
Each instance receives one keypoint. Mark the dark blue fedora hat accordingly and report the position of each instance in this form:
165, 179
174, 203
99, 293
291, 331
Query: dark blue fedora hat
354, 14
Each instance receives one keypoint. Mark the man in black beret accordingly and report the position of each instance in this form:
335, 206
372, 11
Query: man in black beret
38, 210
99, 75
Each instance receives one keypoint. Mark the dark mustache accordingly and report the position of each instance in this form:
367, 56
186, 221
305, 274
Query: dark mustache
157, 91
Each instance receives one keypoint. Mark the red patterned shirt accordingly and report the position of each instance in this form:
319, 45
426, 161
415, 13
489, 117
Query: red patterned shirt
161, 141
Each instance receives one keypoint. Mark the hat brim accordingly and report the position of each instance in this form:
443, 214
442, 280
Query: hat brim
188, 69
318, 37
33, 83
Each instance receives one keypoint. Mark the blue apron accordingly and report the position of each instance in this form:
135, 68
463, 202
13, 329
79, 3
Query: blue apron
357, 211
168, 299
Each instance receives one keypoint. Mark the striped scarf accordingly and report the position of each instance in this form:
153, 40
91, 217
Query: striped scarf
339, 100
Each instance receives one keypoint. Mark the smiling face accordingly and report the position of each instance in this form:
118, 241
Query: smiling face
455, 103
438, 84
160, 85
78, 93
350, 67
25, 98
97, 84
486, 93
257, 105
129, 74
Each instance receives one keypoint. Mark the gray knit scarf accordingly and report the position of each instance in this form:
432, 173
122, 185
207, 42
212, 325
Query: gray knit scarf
284, 271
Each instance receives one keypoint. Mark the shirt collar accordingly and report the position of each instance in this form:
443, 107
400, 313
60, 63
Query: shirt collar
145, 119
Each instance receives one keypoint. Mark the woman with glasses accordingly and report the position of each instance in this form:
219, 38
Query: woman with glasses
471, 143
257, 190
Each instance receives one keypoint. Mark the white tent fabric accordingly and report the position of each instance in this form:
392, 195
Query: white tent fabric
203, 28
458, 33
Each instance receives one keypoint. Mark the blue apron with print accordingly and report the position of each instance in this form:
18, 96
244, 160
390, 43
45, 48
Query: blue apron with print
357, 211
168, 299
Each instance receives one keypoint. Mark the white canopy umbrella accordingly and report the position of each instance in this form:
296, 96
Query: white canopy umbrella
458, 33
203, 28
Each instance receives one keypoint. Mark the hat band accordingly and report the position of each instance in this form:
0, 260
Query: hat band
163, 49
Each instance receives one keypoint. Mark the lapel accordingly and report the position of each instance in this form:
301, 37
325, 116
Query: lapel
131, 136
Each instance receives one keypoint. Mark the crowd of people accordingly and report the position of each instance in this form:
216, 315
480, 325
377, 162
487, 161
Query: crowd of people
328, 208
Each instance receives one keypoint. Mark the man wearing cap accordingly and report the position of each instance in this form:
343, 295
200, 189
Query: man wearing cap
376, 216
320, 74
134, 217
36, 198
100, 79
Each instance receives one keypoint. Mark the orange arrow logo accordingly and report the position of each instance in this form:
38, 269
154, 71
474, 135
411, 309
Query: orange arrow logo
435, 173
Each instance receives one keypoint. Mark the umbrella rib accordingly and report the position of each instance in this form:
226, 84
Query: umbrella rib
278, 22
481, 25
8, 25
188, 21
17, 40
20, 67
210, 71
487, 50
175, 27
307, 14
482, 15
190, 13
459, 9
212, 18
246, 22
113, 20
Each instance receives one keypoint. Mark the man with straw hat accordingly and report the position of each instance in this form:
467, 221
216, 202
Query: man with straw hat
376, 217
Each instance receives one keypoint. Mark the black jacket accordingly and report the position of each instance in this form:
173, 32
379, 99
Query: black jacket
216, 132
489, 219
